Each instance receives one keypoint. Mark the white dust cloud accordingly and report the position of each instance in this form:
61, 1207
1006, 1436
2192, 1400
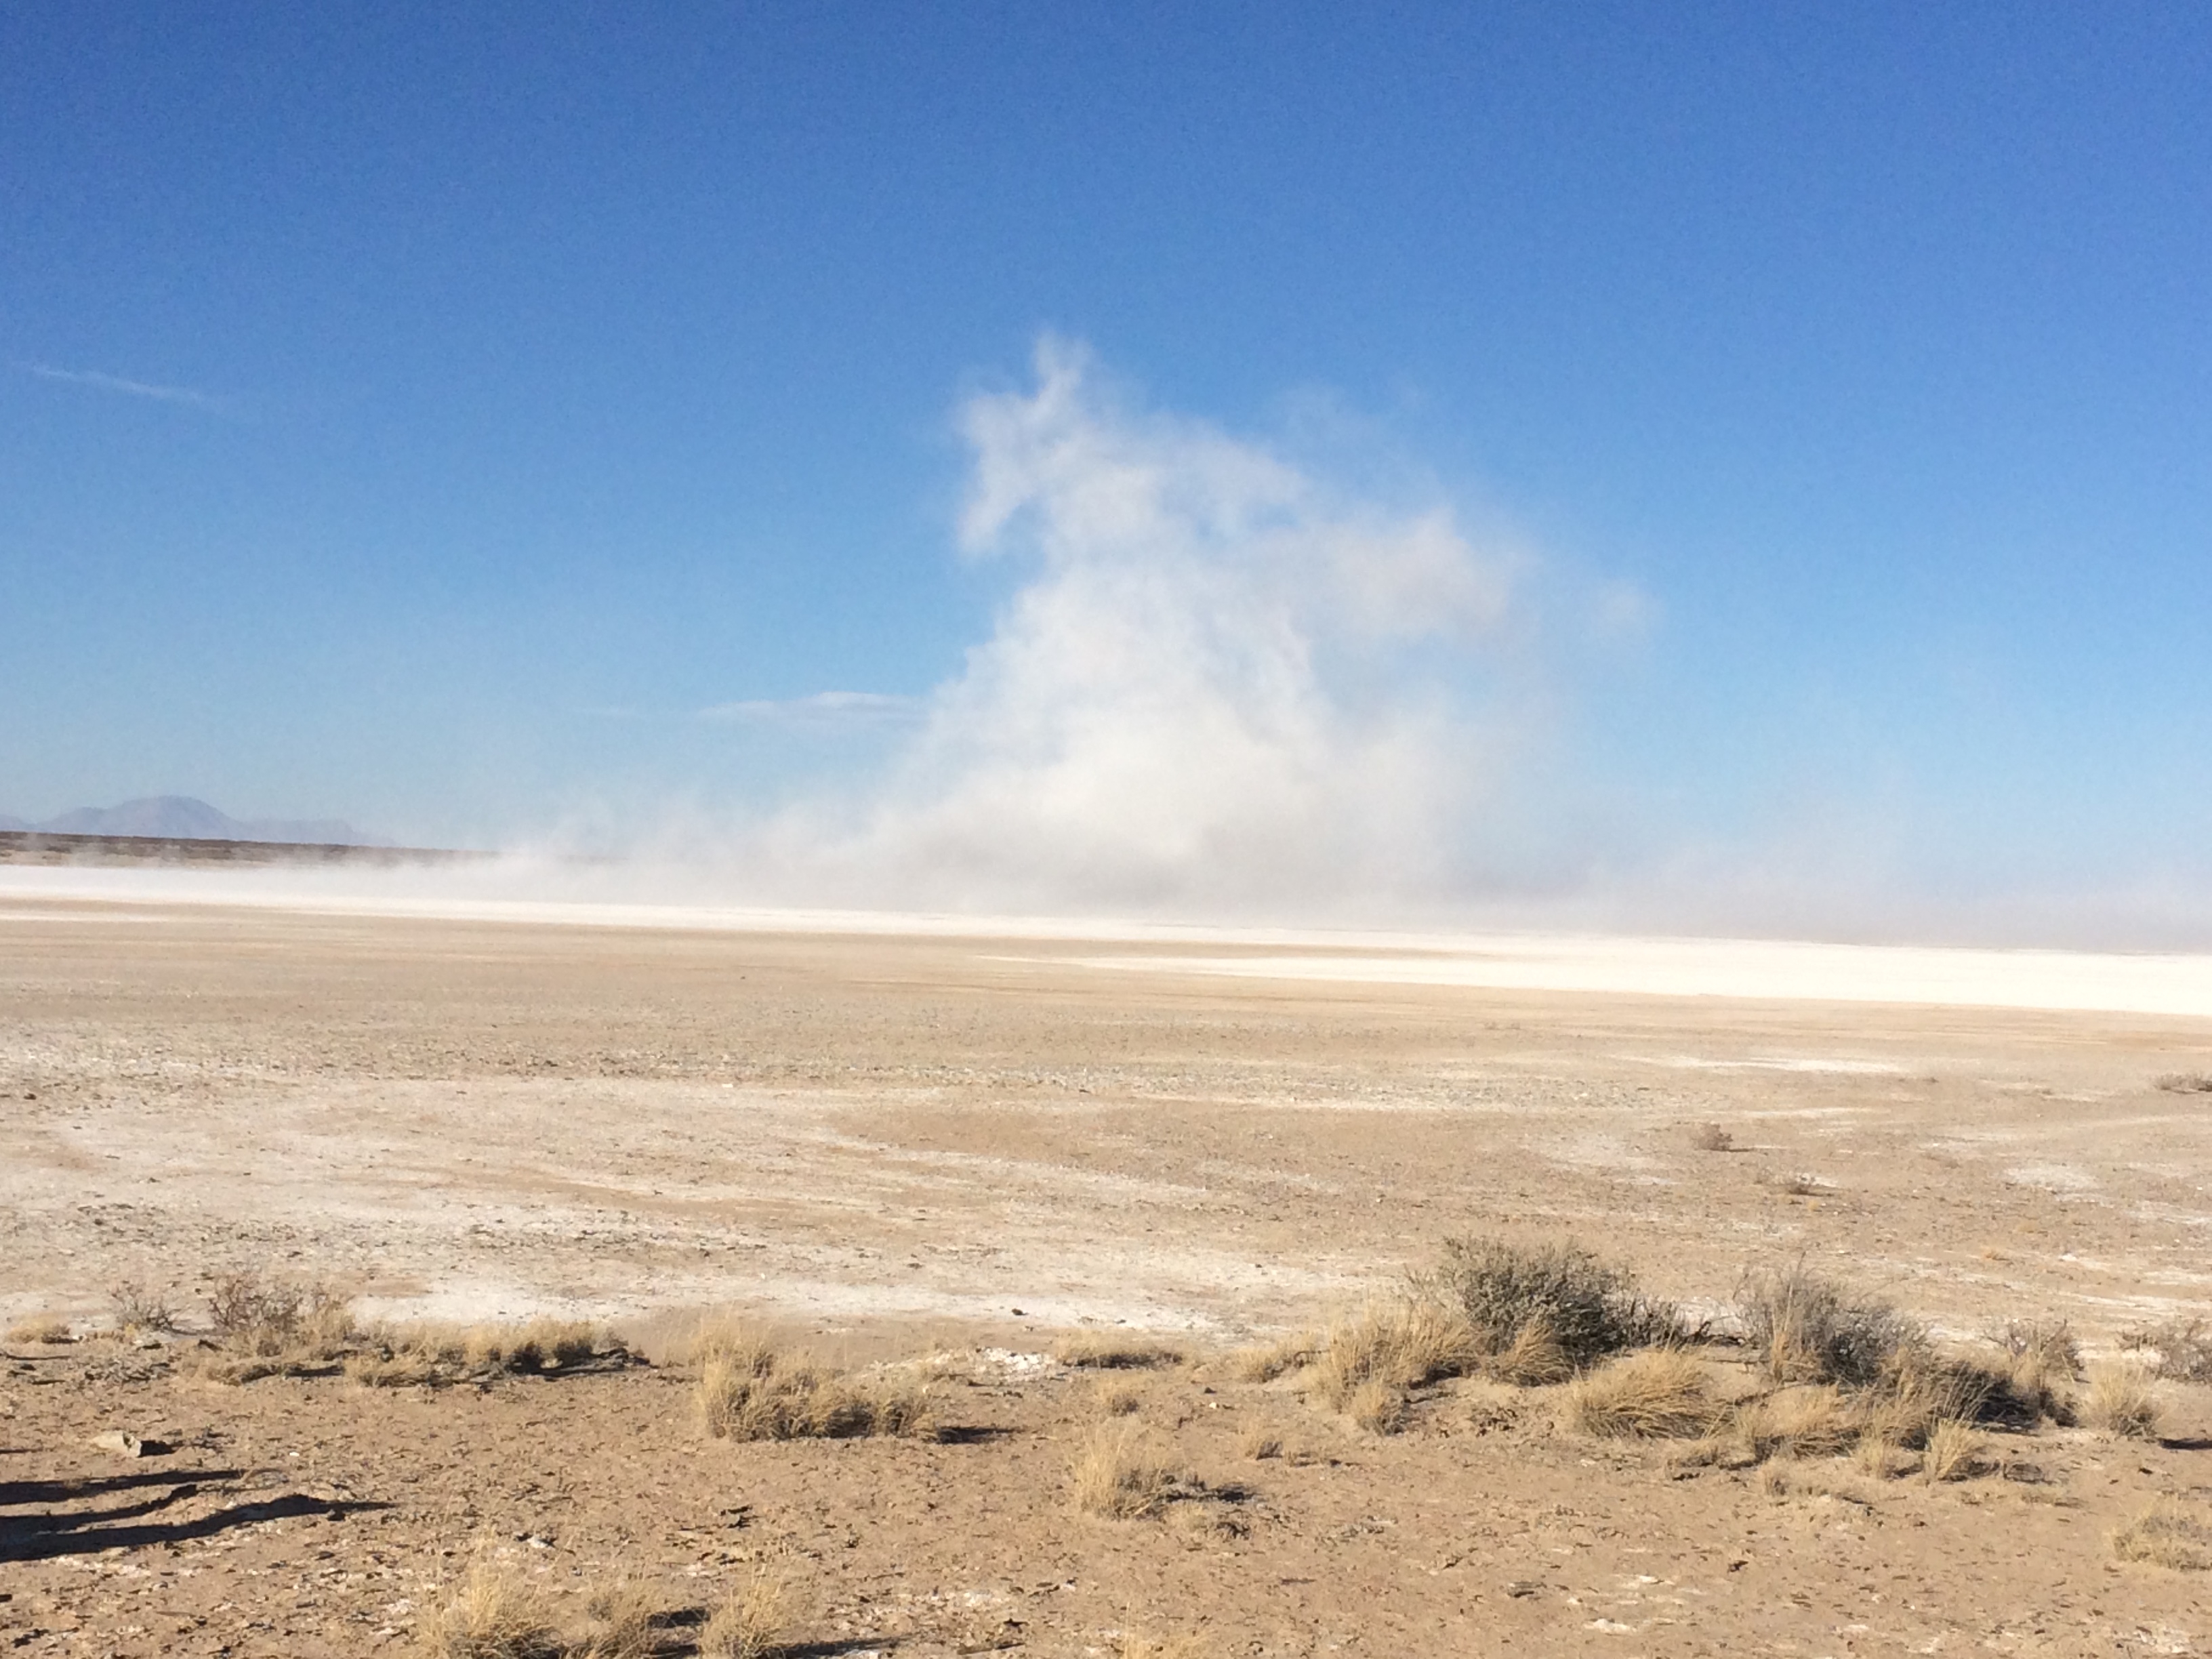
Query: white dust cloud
1224, 687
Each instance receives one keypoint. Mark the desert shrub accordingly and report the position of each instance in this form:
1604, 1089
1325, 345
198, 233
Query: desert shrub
136, 1308
1712, 1137
253, 1314
2184, 1083
1394, 1346
1807, 1329
48, 1329
1116, 1476
1264, 1362
1107, 1350
748, 1623
1590, 1308
2169, 1534
2184, 1349
748, 1391
2043, 1362
1659, 1393
493, 1613
2120, 1402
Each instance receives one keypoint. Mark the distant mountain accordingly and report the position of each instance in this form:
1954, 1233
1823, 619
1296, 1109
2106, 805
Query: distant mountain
180, 817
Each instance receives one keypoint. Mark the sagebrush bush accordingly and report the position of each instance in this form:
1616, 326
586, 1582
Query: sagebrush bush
1590, 1307
1807, 1329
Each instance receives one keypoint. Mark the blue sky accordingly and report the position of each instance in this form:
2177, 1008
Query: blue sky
422, 415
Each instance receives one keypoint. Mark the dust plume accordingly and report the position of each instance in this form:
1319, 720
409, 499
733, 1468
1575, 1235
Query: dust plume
1222, 685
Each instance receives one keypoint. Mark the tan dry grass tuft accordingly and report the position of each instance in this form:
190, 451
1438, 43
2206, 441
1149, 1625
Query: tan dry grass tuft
1660, 1393
752, 1392
2120, 1402
1117, 1477
50, 1329
747, 1623
1376, 1405
1117, 1396
625, 1612
1712, 1137
2170, 1533
1109, 1350
1259, 1440
1812, 1420
1954, 1451
1533, 1359
493, 1613
1264, 1362
1398, 1345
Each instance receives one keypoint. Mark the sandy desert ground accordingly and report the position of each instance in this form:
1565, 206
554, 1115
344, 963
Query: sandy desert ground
958, 1148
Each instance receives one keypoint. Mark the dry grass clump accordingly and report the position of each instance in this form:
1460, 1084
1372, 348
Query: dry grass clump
493, 1613
1259, 1440
2120, 1402
1106, 1351
2184, 1349
1264, 1362
2169, 1534
1712, 1137
1117, 1476
1660, 1393
1807, 1329
2184, 1083
624, 1615
1590, 1308
1807, 1420
1117, 1396
747, 1390
748, 1623
1954, 1451
50, 1329
1532, 1359
427, 1355
1389, 1348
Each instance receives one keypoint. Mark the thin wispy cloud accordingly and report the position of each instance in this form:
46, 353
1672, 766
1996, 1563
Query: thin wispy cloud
97, 382
821, 708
